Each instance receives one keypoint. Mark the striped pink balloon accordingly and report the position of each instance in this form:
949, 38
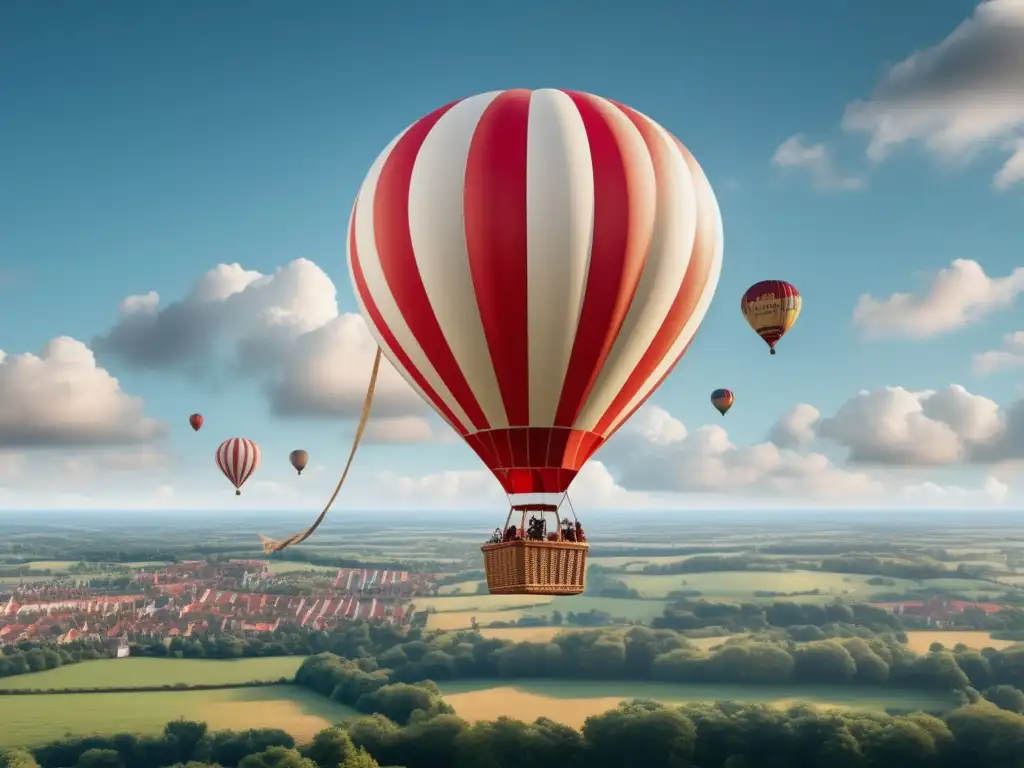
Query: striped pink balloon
535, 263
238, 458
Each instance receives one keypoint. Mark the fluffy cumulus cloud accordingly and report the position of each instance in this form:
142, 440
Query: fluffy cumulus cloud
956, 98
61, 397
816, 160
795, 428
594, 488
706, 461
895, 426
879, 447
1010, 355
957, 296
283, 330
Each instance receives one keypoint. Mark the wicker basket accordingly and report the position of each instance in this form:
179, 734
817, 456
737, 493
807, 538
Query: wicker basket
527, 567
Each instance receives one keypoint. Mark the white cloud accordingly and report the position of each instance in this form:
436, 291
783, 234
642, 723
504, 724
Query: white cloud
400, 429
959, 295
795, 428
895, 426
62, 397
1012, 171
283, 330
890, 439
1010, 356
956, 98
594, 488
816, 160
992, 492
706, 461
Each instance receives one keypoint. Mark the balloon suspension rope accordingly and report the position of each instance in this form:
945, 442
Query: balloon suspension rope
269, 545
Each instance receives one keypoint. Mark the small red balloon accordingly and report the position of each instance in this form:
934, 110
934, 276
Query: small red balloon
196, 421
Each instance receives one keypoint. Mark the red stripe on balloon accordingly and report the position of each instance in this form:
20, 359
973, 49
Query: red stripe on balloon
618, 253
494, 211
693, 286
389, 338
393, 240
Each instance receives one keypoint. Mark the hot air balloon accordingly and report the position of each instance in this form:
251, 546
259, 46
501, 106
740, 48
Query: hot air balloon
196, 420
534, 264
238, 458
722, 399
771, 307
299, 459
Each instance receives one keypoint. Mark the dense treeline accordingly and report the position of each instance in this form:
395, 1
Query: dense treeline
807, 655
143, 688
27, 657
846, 563
352, 639
637, 734
688, 614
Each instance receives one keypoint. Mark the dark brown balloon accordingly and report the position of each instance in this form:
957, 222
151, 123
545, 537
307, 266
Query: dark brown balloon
299, 459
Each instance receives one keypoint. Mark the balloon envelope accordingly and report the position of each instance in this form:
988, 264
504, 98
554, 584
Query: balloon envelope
722, 399
771, 307
299, 459
196, 420
238, 458
534, 263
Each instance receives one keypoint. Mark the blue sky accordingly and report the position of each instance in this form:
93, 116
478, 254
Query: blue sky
142, 144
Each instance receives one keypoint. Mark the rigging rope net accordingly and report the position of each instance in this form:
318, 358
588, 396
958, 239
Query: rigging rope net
270, 545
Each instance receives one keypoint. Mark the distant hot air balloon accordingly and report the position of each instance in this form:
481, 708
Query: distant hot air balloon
534, 264
299, 459
722, 399
238, 458
196, 420
771, 307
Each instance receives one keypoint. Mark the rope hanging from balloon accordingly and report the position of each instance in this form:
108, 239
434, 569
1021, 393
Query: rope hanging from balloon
270, 545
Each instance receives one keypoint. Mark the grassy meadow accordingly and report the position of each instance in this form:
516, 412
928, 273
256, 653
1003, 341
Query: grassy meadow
146, 672
572, 702
30, 720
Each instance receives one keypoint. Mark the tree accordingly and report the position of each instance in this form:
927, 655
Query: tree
100, 758
360, 759
1006, 697
184, 736
17, 758
638, 735
276, 757
398, 702
330, 747
904, 744
823, 662
976, 667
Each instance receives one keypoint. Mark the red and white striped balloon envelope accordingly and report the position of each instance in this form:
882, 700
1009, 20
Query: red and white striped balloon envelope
535, 263
238, 458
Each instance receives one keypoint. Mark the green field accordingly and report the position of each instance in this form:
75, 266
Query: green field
479, 602
143, 672
461, 588
741, 585
572, 702
30, 720
290, 566
619, 608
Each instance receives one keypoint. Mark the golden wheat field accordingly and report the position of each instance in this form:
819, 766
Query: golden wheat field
572, 703
919, 641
